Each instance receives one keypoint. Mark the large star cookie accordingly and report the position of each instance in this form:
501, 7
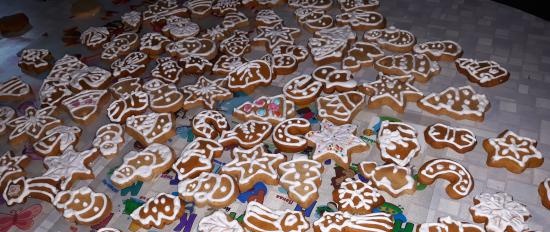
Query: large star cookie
204, 93
392, 91
513, 152
273, 36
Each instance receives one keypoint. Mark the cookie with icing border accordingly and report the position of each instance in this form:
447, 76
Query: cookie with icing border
236, 45
120, 46
216, 33
461, 103
57, 139
513, 152
391, 39
151, 128
83, 206
177, 28
196, 158
302, 90
313, 19
144, 165
346, 222
90, 77
209, 189
285, 58
153, 43
461, 182
417, 65
273, 36
194, 64
314, 4
163, 97
448, 224
235, 20
159, 211
361, 20
269, 109
351, 5
357, 197
13, 167
391, 91
226, 64
247, 134
441, 136
442, 50
336, 142
157, 13
301, 177
55, 87
390, 178
14, 89
125, 86
109, 140
134, 65
267, 17
544, 192
95, 37
340, 108
35, 61
84, 106
219, 221
500, 212
192, 46
326, 50
70, 167
131, 20
288, 135
334, 79
204, 93
32, 125
222, 7
199, 8
209, 124
167, 70
261, 218
398, 143
361, 54
485, 73
6, 115
250, 75
18, 190
130, 104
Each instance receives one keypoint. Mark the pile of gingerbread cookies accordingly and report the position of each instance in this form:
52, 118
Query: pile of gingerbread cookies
144, 109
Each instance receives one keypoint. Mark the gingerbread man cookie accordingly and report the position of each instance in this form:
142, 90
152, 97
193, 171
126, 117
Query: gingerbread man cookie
219, 221
391, 91
417, 65
151, 128
109, 139
485, 73
167, 70
340, 108
35, 61
269, 109
57, 139
361, 20
95, 37
392, 39
513, 152
301, 177
84, 106
357, 197
158, 211
259, 218
390, 178
288, 135
458, 103
499, 212
398, 142
361, 54
14, 89
83, 205
204, 93
346, 222
445, 50
163, 97
273, 36
32, 125
302, 90
209, 189
460, 179
196, 158
440, 136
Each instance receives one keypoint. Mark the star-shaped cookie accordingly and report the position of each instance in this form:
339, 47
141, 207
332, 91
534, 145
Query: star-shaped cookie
204, 93
70, 166
513, 152
250, 166
392, 91
33, 124
273, 36
336, 143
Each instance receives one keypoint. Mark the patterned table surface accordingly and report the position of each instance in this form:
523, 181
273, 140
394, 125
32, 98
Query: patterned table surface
485, 29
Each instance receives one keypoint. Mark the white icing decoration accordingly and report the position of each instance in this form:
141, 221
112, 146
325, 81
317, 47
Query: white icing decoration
501, 212
218, 222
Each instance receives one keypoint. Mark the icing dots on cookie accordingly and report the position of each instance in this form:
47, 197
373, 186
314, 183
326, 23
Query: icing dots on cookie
109, 140
95, 37
418, 65
151, 128
444, 50
32, 124
196, 158
84, 106
205, 93
440, 136
269, 109
357, 197
194, 64
247, 134
344, 221
500, 212
391, 39
159, 11
398, 142
57, 139
209, 189
131, 20
461, 182
129, 104
485, 73
83, 205
288, 135
302, 90
192, 46
167, 70
326, 50
313, 4
158, 211
153, 43
334, 79
513, 152
261, 218
301, 177
390, 178
351, 5
163, 97
236, 45
362, 20
361, 54
209, 124
14, 89
458, 103
392, 91
340, 108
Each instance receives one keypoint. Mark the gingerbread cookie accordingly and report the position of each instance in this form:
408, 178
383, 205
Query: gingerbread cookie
55, 87
346, 222
194, 64
301, 177
286, 58
326, 50
250, 75
269, 109
340, 108
131, 20
391, 91
134, 64
158, 211
417, 65
313, 4
267, 17
199, 8
32, 125
89, 78
447, 224
83, 205
95, 37
84, 106
69, 167
391, 39
273, 36
159, 11
19, 189
125, 87
57, 139
225, 64
334, 79
219, 221
167, 70
204, 93
163, 97
35, 61
513, 152
390, 178
196, 158
259, 218
499, 212
145, 165
192, 46
222, 7
216, 33
14, 89
177, 28
302, 90
129, 104
398, 143
120, 46
6, 115
460, 179
235, 20
109, 140
13, 167
250, 166
544, 192
209, 124
151, 128
336, 143
313, 19
444, 50
350, 5
458, 103
338, 32
153, 43
361, 20
209, 189
288, 135
485, 73
357, 197
361, 54
236, 45
440, 136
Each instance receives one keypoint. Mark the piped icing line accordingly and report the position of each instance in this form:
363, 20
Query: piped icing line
302, 178
391, 178
263, 219
83, 205
500, 212
344, 221
219, 222
158, 211
461, 182
209, 189
458, 103
398, 142
288, 136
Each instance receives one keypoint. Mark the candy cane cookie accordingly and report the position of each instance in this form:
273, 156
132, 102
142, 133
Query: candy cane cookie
461, 182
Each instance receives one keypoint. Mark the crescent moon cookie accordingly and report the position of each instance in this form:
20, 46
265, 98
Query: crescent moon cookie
57, 139
336, 142
120, 46
334, 79
163, 97
459, 139
196, 158
133, 65
350, 5
361, 54
32, 125
461, 182
95, 37
83, 205
145, 165
391, 91
167, 70
361, 20
13, 167
267, 17
313, 19
209, 124
130, 104
159, 211
417, 65
485, 73
268, 109
84, 106
398, 143
390, 178
205, 93
219, 222
544, 192
391, 39
447, 224
513, 152
247, 134
273, 36
250, 166
301, 177
499, 212
445, 50
151, 128
177, 28
14, 89
357, 197
209, 189
35, 61
288, 135
458, 103
259, 218
6, 115
109, 140
340, 108
302, 90
346, 222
